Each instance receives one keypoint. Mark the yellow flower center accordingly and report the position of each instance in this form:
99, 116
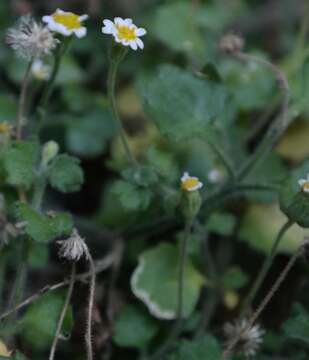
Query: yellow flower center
4, 128
126, 33
189, 183
305, 187
69, 20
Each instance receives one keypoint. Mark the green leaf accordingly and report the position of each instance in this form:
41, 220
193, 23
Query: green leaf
297, 326
221, 223
261, 225
155, 282
293, 201
19, 163
87, 136
131, 317
16, 356
234, 278
38, 325
65, 174
206, 347
251, 85
8, 108
131, 196
43, 228
37, 255
182, 105
175, 25
141, 176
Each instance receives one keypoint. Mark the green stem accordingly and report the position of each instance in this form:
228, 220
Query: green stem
225, 161
39, 190
22, 100
50, 84
266, 266
280, 124
176, 330
111, 85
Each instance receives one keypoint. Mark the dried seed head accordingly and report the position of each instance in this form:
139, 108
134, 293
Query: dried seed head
74, 247
29, 39
231, 43
250, 338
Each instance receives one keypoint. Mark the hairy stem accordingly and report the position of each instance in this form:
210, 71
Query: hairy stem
263, 304
63, 313
176, 330
266, 266
50, 84
22, 101
88, 335
111, 84
100, 266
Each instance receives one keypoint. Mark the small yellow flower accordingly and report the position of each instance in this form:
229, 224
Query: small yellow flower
124, 32
190, 183
5, 128
304, 184
66, 23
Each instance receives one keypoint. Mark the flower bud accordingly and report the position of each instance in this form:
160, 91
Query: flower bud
50, 150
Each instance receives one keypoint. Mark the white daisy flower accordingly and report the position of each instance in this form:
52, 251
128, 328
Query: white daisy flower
66, 23
124, 32
190, 183
304, 184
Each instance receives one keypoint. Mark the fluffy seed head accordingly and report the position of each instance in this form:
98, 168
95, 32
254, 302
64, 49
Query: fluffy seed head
30, 39
74, 247
250, 337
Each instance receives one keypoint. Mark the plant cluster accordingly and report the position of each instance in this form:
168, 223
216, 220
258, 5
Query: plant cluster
200, 179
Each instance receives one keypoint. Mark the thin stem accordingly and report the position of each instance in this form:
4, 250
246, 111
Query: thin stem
88, 335
225, 161
111, 85
279, 125
263, 304
266, 266
50, 84
63, 313
22, 100
100, 266
176, 330
39, 190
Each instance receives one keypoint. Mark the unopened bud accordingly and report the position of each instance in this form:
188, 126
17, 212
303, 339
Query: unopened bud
50, 150
231, 43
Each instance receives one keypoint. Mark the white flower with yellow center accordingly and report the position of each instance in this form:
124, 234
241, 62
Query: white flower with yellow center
124, 32
304, 184
66, 23
190, 183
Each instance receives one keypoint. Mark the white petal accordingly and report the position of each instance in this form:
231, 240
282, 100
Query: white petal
127, 22
306, 190
139, 43
302, 182
83, 17
141, 32
133, 44
47, 19
118, 21
81, 32
59, 11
